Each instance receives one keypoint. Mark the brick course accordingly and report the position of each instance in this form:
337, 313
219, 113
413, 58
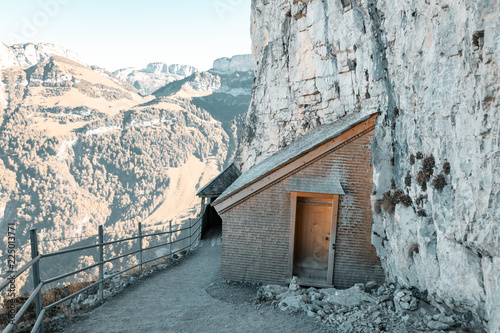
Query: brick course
255, 246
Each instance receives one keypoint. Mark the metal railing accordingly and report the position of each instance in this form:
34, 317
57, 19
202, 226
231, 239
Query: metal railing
36, 257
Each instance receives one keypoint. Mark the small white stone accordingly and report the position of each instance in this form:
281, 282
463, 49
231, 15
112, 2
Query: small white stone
437, 325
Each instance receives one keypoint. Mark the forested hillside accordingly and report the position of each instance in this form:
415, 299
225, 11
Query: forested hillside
80, 148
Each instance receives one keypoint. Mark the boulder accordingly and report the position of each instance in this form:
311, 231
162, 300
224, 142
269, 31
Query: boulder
292, 302
404, 300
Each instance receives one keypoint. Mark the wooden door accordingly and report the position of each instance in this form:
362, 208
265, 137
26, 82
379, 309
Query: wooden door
313, 260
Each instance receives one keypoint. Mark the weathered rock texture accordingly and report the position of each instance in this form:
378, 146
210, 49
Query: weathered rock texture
431, 68
30, 54
238, 63
155, 76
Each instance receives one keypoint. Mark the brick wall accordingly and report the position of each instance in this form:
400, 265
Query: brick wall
255, 246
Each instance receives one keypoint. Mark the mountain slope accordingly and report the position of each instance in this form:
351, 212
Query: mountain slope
27, 55
80, 148
63, 85
224, 91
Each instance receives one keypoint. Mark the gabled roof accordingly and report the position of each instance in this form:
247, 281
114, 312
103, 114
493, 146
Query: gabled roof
294, 156
220, 183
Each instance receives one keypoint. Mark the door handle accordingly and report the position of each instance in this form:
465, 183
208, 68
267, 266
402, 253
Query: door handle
333, 246
327, 238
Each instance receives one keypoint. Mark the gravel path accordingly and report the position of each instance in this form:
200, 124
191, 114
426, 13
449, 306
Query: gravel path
189, 297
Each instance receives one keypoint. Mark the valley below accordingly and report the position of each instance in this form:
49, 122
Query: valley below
82, 147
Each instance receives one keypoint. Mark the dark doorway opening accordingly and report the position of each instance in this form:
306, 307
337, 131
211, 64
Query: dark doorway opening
212, 223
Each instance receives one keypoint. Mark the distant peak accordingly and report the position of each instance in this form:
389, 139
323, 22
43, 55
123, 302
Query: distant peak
154, 76
237, 63
155, 68
162, 68
29, 54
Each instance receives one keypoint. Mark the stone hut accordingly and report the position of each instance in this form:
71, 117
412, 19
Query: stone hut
305, 211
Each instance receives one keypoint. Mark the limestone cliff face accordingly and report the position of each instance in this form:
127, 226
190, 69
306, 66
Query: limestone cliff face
30, 54
431, 68
238, 63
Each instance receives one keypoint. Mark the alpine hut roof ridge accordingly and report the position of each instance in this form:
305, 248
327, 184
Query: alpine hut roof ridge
217, 185
293, 151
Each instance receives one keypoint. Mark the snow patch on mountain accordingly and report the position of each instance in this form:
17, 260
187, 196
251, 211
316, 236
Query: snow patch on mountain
102, 130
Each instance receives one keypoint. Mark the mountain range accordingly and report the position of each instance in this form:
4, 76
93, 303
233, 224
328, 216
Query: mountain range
82, 147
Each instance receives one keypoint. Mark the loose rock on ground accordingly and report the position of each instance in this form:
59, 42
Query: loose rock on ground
367, 308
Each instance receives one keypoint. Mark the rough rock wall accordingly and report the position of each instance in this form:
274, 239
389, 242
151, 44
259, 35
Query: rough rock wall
312, 62
431, 68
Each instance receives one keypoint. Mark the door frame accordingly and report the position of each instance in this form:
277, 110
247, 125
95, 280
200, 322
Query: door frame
333, 233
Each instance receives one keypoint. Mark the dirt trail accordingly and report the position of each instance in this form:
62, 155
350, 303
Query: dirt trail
189, 297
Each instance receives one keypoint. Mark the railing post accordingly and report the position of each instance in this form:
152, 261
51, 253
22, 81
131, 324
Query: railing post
202, 210
170, 238
189, 225
140, 249
101, 259
200, 227
36, 273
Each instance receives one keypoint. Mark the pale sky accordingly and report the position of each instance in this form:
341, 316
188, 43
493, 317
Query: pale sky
131, 33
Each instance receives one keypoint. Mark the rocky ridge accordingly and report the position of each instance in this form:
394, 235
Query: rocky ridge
26, 55
30, 54
238, 63
202, 84
431, 68
154, 76
196, 84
